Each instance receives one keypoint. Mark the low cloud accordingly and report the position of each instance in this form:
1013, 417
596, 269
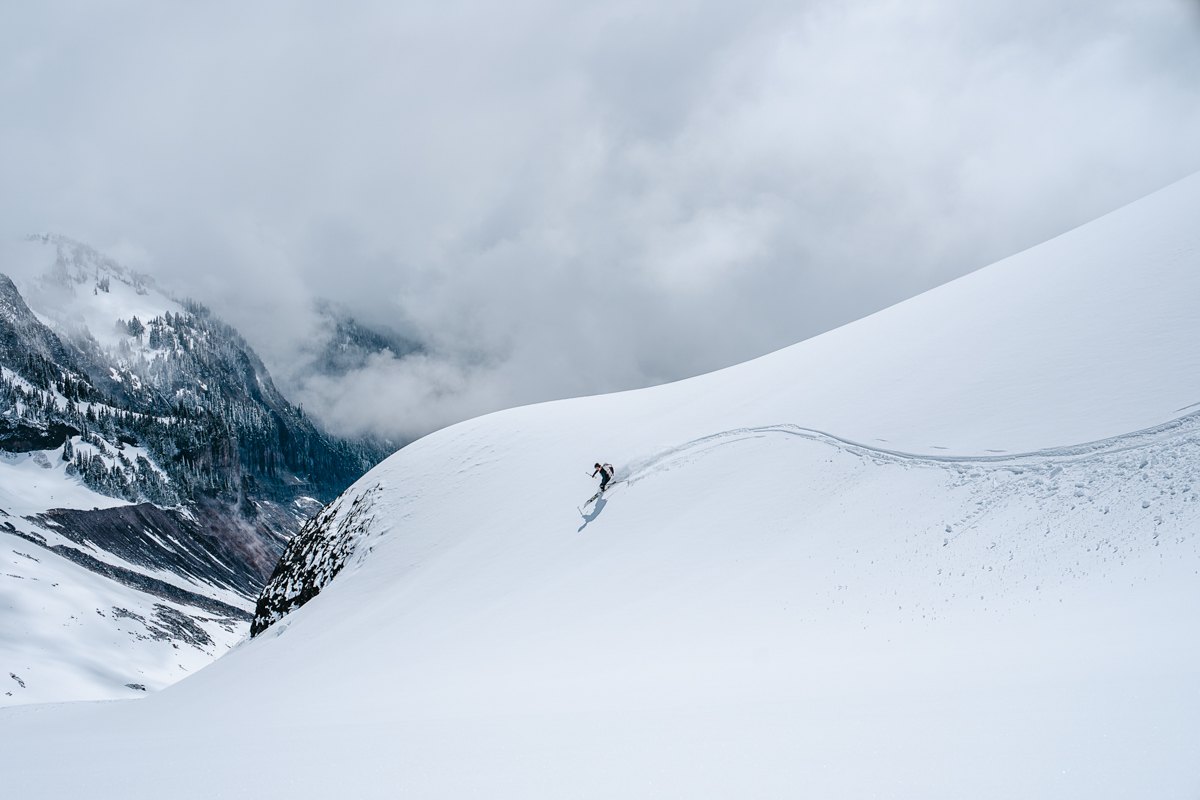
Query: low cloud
559, 199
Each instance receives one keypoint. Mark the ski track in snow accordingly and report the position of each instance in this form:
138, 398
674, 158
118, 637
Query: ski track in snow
1183, 428
1008, 525
1100, 502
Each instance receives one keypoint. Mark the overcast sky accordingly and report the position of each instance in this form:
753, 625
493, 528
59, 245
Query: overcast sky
568, 198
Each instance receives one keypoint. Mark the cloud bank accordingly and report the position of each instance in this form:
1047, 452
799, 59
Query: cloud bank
558, 199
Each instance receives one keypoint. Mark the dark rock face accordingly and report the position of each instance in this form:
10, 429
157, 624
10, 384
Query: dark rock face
196, 548
134, 579
205, 542
314, 557
168, 625
24, 436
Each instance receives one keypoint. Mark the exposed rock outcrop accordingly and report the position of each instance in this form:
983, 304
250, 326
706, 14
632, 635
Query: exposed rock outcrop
314, 557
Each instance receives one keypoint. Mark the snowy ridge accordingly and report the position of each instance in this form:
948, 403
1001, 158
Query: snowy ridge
85, 289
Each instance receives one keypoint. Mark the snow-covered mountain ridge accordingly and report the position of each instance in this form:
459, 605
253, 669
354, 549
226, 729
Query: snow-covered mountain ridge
946, 551
142, 441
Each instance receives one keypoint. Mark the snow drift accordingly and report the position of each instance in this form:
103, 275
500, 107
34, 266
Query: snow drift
946, 551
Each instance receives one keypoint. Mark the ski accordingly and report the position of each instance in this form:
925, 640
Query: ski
598, 495
608, 472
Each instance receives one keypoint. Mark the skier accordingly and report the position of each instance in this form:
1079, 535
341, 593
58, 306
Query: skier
606, 472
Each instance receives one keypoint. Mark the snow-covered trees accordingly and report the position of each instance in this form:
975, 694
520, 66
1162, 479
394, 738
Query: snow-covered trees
133, 328
183, 387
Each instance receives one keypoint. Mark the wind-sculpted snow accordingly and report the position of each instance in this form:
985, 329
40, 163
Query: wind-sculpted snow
314, 557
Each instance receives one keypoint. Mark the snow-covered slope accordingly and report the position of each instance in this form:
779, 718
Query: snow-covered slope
85, 289
947, 551
66, 631
70, 625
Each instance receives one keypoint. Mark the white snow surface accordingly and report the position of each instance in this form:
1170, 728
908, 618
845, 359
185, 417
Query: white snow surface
62, 632
946, 551
91, 305
68, 632
31, 483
